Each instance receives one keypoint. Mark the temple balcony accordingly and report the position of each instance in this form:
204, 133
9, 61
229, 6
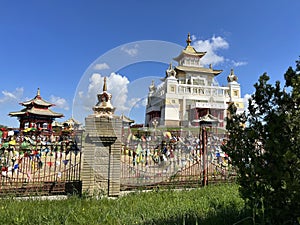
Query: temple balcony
202, 90
209, 105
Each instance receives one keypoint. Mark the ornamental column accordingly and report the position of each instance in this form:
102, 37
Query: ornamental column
102, 148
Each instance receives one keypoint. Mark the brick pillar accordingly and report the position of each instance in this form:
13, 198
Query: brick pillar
102, 155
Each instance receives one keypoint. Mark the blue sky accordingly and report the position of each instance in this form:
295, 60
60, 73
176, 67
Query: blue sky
52, 44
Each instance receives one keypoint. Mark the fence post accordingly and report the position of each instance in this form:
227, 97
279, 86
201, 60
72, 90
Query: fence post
204, 156
102, 155
102, 150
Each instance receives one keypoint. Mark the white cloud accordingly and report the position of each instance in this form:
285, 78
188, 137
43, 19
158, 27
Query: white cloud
101, 66
129, 98
246, 99
59, 102
211, 46
14, 96
94, 83
131, 51
117, 85
9, 94
241, 63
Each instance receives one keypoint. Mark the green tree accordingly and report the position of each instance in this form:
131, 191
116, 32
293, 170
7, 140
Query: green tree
264, 145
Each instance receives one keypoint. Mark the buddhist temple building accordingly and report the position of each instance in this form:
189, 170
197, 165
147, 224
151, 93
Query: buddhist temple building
73, 124
189, 93
126, 121
36, 114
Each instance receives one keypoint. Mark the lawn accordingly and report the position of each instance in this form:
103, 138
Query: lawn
216, 204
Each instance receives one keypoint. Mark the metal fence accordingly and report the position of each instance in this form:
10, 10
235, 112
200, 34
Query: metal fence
164, 158
40, 164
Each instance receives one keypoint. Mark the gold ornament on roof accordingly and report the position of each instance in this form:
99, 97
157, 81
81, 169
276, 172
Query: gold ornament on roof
232, 77
104, 85
38, 92
104, 107
188, 40
170, 71
152, 87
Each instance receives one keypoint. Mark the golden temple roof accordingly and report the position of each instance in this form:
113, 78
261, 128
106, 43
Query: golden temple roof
37, 100
72, 121
198, 69
36, 111
189, 50
36, 106
126, 119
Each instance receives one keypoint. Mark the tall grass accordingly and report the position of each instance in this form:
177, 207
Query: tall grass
210, 205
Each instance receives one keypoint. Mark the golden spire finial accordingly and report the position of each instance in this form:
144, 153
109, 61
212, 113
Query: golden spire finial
104, 85
231, 72
232, 77
38, 92
188, 40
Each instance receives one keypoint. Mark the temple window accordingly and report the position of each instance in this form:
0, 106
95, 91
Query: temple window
172, 89
181, 81
187, 62
198, 81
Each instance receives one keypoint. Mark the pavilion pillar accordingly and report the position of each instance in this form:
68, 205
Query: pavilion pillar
22, 123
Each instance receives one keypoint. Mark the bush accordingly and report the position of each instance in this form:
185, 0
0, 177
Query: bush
264, 145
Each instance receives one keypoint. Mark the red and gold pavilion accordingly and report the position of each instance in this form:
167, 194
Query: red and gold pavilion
36, 114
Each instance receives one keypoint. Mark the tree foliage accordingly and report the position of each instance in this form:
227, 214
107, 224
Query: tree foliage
264, 145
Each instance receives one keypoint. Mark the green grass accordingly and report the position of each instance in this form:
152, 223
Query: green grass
219, 204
